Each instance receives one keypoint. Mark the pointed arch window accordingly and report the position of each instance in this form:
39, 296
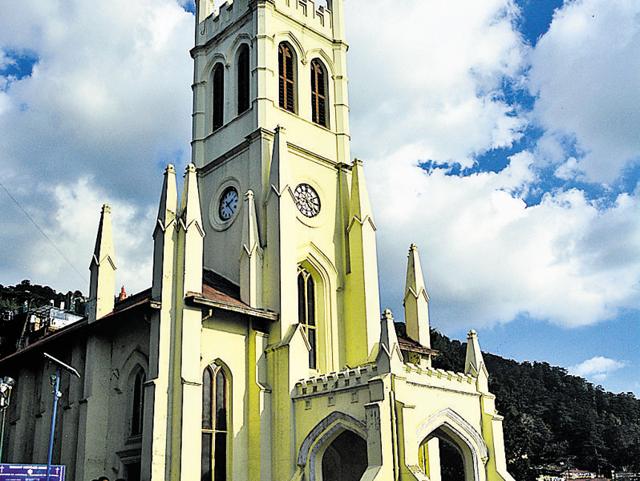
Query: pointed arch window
319, 93
243, 79
307, 312
217, 96
137, 404
286, 66
215, 424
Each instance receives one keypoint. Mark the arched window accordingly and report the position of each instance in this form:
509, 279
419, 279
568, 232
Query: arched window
244, 82
215, 422
218, 96
319, 93
307, 312
137, 404
286, 64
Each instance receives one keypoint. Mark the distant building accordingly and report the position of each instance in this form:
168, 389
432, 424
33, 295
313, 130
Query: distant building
625, 476
575, 473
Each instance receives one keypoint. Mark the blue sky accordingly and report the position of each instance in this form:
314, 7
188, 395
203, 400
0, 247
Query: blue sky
508, 152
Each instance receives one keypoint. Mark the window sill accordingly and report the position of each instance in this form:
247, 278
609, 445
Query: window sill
298, 116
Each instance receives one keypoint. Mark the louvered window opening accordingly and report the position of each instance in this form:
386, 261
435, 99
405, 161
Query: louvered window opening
243, 80
287, 80
215, 411
307, 313
318, 93
218, 97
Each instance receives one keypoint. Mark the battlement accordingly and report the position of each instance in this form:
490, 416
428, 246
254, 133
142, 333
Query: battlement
312, 14
335, 381
220, 18
429, 376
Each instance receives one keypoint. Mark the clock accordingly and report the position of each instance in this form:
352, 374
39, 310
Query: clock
228, 204
307, 200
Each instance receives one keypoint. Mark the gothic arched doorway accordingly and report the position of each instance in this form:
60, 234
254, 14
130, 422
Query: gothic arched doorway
451, 462
345, 459
444, 457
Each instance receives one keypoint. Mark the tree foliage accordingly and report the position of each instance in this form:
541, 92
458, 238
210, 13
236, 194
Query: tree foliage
552, 418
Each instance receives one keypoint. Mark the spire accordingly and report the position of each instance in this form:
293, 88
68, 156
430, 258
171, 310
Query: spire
103, 270
474, 362
416, 300
192, 238
361, 290
389, 355
251, 255
277, 174
164, 234
360, 207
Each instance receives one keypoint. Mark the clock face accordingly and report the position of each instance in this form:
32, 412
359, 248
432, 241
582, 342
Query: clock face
228, 203
307, 200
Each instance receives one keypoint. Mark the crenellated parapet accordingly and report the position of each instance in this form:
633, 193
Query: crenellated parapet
311, 14
336, 381
215, 18
439, 378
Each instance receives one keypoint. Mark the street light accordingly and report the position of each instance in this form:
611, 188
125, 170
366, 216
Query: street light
55, 383
6, 386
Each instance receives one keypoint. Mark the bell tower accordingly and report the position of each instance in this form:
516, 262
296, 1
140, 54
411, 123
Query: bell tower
285, 211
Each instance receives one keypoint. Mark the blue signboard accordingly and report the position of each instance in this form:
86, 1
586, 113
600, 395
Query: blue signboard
30, 472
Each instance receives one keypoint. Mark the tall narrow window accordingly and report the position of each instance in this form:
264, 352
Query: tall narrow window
243, 79
218, 96
215, 413
307, 312
137, 411
318, 93
286, 61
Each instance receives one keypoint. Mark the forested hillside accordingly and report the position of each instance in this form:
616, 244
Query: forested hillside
553, 418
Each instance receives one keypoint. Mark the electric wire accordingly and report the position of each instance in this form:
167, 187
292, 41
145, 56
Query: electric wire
44, 234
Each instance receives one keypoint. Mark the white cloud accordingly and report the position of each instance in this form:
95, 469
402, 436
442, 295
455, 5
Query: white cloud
426, 75
597, 368
585, 71
109, 100
76, 212
110, 94
570, 170
488, 257
107, 105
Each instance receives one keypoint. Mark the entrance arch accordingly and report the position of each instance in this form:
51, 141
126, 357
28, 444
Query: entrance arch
345, 459
322, 453
448, 441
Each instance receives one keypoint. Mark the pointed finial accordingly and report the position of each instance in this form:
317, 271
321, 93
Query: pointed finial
191, 199
416, 300
123, 294
102, 281
360, 205
474, 362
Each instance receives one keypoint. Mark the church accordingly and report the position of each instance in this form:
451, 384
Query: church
259, 352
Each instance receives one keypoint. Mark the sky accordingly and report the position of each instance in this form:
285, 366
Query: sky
498, 135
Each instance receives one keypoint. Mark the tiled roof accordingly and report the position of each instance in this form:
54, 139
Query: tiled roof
408, 344
220, 293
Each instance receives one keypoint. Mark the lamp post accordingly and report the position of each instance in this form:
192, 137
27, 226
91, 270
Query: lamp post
6, 386
55, 382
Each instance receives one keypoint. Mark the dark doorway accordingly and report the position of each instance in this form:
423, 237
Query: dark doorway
133, 471
345, 459
451, 462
